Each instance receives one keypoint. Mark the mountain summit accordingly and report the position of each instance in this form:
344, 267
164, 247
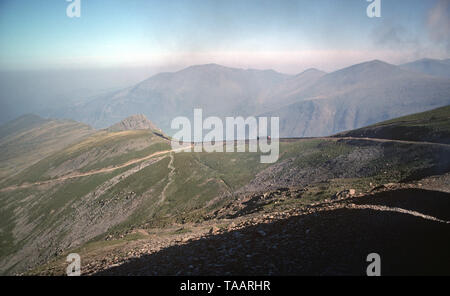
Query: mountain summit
134, 122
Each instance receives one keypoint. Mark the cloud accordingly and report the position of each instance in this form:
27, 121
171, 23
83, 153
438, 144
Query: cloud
393, 36
438, 23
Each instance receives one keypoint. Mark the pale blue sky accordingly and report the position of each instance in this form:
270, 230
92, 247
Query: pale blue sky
286, 35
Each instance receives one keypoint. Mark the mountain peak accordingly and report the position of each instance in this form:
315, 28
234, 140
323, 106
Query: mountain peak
369, 70
206, 67
134, 122
376, 63
311, 71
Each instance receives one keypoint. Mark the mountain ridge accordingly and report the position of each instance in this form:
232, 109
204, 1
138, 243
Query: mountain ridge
358, 96
439, 68
223, 91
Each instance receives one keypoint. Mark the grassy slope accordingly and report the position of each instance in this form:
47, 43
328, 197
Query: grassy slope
430, 126
200, 178
101, 150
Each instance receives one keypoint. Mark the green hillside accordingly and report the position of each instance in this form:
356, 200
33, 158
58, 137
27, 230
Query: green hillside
430, 126
100, 150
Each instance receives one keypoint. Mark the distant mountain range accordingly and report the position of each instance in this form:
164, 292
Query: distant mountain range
313, 103
439, 68
360, 95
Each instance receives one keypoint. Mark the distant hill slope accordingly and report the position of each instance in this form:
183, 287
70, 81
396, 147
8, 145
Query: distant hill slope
284, 93
358, 96
30, 138
430, 126
218, 90
24, 122
440, 68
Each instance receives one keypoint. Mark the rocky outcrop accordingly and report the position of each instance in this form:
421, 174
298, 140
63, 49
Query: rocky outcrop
135, 122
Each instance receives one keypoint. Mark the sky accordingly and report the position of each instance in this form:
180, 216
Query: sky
287, 35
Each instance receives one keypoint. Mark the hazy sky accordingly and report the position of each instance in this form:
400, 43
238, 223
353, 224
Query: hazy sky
285, 35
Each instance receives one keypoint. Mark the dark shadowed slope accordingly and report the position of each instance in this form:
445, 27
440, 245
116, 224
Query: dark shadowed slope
333, 240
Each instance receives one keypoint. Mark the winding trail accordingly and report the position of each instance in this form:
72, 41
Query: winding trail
169, 177
90, 173
390, 141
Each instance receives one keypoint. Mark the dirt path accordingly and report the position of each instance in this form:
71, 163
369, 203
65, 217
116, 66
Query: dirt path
393, 141
134, 161
332, 138
378, 140
169, 177
396, 210
95, 172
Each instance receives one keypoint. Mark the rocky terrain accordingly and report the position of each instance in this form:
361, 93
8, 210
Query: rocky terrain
136, 122
327, 238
